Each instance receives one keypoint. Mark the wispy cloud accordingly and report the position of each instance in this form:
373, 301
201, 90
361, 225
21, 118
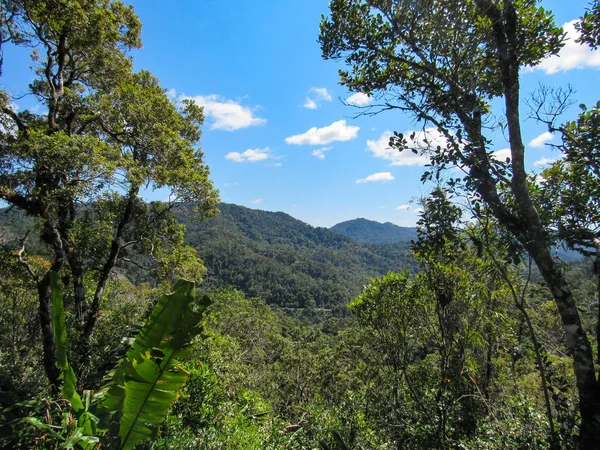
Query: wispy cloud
321, 94
571, 56
337, 131
316, 97
320, 152
501, 155
249, 156
257, 201
359, 99
402, 208
227, 115
171, 93
310, 104
380, 176
541, 140
422, 141
544, 162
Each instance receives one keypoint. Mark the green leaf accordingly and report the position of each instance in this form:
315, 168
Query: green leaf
58, 321
149, 378
60, 338
339, 440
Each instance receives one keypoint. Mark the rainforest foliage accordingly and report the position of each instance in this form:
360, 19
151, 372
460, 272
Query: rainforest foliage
475, 335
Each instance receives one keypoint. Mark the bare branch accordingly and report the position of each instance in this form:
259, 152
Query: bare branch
22, 261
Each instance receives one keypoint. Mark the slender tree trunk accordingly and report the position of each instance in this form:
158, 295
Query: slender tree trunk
597, 271
109, 265
554, 444
78, 291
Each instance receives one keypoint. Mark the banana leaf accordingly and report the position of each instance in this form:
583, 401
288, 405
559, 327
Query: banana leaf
59, 327
147, 381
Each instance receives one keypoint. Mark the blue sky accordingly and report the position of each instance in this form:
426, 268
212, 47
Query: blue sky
277, 135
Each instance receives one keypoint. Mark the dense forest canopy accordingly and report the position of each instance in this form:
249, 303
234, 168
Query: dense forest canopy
474, 335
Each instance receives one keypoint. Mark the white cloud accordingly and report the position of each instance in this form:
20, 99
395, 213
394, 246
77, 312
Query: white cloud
422, 141
257, 201
337, 131
418, 210
403, 208
250, 155
571, 56
227, 114
359, 99
320, 152
310, 104
322, 94
319, 95
539, 141
380, 176
544, 162
501, 155
171, 93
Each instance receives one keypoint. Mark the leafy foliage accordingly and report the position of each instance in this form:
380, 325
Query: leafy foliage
447, 77
147, 382
285, 261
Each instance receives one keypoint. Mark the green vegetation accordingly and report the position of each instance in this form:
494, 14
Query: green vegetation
474, 336
285, 261
136, 396
364, 230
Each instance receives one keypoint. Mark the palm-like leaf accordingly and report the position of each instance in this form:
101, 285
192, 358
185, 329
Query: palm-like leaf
148, 379
61, 340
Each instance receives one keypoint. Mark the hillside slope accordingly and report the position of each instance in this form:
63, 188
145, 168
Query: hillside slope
265, 254
286, 261
369, 231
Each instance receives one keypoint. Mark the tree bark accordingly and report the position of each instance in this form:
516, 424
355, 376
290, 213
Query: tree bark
578, 343
48, 344
50, 236
531, 232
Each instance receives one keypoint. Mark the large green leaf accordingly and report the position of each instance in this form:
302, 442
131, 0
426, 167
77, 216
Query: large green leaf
149, 378
61, 341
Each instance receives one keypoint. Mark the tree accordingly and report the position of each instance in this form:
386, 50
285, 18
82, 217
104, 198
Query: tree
79, 166
447, 76
589, 26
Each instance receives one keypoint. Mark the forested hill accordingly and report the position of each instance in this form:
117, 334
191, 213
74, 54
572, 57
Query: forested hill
270, 255
285, 261
369, 231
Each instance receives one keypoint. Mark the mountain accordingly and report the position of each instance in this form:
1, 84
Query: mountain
369, 231
286, 261
266, 254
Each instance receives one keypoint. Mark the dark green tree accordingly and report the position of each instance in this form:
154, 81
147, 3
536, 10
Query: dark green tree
445, 62
79, 166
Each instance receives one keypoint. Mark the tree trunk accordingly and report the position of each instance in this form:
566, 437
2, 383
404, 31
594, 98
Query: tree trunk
109, 265
51, 237
579, 347
48, 344
529, 229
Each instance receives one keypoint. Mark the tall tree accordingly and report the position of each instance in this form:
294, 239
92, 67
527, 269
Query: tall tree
104, 134
444, 62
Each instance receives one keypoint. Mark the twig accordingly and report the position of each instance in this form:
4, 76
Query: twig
20, 257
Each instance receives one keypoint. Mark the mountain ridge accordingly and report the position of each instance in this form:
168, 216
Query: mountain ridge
370, 231
286, 261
